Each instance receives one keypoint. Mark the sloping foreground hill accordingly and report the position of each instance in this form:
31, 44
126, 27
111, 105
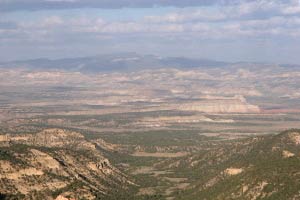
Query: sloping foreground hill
55, 164
265, 167
61, 164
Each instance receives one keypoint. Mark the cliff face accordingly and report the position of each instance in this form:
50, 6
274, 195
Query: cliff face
55, 162
231, 105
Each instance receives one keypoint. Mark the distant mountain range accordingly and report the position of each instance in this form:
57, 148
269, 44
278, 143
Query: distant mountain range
123, 62
113, 62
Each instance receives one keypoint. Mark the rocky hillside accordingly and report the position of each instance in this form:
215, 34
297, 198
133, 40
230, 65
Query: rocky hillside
55, 164
258, 168
61, 164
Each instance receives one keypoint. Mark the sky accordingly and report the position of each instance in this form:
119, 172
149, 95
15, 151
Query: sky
227, 30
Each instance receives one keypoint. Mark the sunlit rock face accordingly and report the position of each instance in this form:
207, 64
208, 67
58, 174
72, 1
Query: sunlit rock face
223, 105
51, 160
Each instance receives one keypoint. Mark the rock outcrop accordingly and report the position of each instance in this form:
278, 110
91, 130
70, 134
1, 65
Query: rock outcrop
237, 104
54, 161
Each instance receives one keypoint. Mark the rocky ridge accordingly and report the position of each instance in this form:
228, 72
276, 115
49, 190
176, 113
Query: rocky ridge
55, 163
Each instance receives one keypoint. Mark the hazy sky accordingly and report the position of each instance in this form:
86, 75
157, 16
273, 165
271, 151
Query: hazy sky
230, 30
